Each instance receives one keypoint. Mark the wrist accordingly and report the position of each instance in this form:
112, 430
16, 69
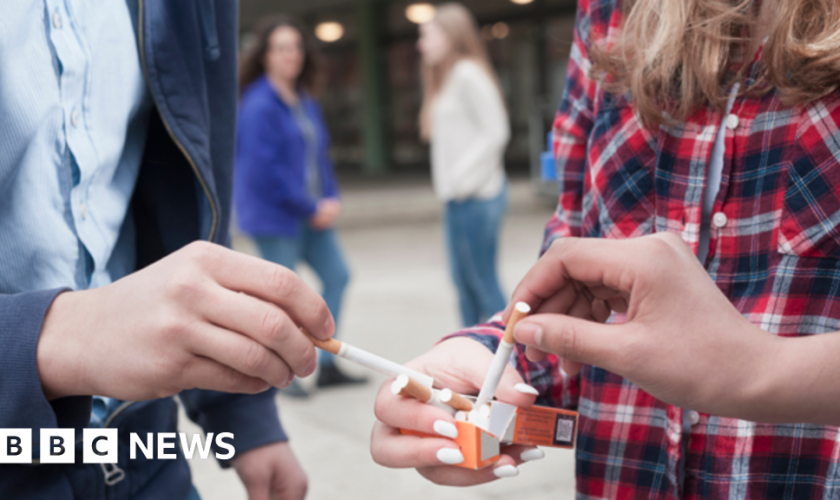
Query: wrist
759, 396
58, 363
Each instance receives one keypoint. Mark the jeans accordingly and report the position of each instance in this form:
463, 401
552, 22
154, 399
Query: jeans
321, 251
472, 233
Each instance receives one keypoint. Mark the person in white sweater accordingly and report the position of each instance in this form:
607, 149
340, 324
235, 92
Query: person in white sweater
465, 119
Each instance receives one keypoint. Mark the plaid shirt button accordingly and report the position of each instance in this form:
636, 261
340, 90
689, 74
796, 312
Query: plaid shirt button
719, 219
693, 417
732, 122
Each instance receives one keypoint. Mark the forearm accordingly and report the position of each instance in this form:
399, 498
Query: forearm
799, 383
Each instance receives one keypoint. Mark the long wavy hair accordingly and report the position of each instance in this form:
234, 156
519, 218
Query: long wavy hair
461, 29
252, 62
675, 56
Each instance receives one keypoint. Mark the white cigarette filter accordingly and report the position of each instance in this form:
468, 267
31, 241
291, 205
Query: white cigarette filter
407, 387
502, 356
455, 400
369, 360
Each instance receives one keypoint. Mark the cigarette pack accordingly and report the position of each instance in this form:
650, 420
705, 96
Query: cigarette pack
481, 435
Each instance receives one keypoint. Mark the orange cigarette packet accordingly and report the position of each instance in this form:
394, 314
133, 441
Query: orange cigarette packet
508, 424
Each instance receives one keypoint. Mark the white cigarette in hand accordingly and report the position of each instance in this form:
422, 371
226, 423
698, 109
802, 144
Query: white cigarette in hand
500, 359
372, 361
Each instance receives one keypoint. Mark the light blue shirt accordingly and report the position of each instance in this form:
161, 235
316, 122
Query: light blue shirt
74, 108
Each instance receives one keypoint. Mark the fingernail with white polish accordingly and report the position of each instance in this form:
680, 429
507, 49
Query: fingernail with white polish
526, 389
506, 471
532, 454
450, 456
446, 429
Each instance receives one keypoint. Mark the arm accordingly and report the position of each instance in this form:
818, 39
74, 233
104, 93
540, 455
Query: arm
683, 341
204, 317
572, 126
484, 102
24, 404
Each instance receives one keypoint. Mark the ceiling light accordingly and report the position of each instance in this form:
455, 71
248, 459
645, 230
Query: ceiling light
419, 13
500, 30
329, 31
521, 2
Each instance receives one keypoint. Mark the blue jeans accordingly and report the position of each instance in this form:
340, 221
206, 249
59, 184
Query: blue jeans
472, 233
321, 251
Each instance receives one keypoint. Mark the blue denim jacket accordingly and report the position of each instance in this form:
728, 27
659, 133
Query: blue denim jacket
183, 193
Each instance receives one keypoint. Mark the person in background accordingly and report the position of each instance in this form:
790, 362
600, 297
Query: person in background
285, 191
464, 118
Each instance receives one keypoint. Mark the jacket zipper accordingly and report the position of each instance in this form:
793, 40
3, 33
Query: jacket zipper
183, 150
113, 473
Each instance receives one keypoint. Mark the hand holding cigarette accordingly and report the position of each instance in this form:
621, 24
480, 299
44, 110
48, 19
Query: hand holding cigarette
459, 364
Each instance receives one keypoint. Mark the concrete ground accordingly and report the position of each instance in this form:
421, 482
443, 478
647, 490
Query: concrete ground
399, 303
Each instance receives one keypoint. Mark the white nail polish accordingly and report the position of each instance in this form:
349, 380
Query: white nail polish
446, 429
532, 454
526, 389
506, 471
450, 456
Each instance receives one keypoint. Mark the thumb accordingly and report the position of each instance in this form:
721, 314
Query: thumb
575, 339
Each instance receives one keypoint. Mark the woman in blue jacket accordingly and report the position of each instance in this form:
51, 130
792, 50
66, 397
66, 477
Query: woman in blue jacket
285, 190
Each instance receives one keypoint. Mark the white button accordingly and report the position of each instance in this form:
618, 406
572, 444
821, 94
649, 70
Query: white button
732, 122
74, 118
57, 21
719, 219
83, 210
693, 417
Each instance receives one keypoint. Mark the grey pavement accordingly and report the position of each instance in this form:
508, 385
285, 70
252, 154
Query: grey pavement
399, 303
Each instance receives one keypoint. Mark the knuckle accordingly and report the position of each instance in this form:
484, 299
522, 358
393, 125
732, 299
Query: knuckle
569, 342
235, 380
273, 323
202, 252
185, 286
282, 281
255, 358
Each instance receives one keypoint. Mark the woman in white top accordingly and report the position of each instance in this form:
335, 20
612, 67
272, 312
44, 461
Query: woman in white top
464, 118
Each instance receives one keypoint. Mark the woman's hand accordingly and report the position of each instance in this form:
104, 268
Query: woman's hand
204, 317
325, 215
459, 364
271, 472
683, 341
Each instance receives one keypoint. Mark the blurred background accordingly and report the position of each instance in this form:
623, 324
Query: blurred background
401, 300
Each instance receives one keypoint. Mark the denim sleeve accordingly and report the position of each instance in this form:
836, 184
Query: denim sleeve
253, 419
23, 404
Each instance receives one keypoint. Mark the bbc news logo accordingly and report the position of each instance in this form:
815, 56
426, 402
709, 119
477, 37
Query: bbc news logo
100, 446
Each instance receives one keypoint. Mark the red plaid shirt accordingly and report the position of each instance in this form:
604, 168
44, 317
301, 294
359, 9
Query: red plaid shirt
776, 255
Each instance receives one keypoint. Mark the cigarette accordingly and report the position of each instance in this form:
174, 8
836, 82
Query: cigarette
455, 400
410, 388
500, 359
372, 361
